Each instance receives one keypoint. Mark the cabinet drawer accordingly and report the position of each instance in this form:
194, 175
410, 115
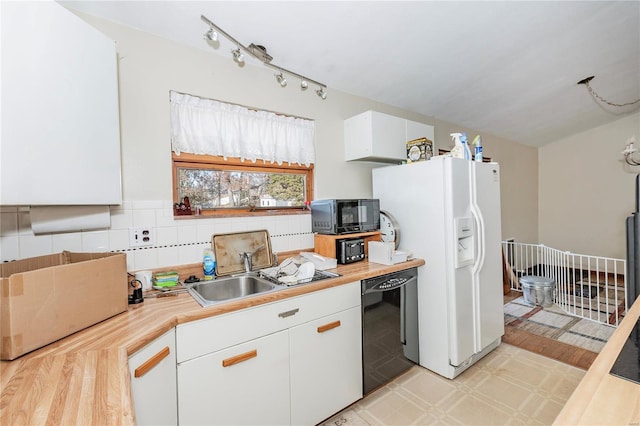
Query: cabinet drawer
201, 337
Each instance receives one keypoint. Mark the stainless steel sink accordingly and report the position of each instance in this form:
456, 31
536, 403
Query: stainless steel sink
209, 293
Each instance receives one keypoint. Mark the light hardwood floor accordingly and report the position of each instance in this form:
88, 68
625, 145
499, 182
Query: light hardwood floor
551, 348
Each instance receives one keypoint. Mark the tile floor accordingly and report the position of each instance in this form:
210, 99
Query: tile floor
510, 386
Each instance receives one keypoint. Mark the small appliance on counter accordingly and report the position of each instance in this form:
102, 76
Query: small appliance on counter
136, 296
336, 217
350, 250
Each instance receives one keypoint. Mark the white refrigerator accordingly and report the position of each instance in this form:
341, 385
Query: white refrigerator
448, 211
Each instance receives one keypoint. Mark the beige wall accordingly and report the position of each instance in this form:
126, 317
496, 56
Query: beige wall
586, 190
150, 67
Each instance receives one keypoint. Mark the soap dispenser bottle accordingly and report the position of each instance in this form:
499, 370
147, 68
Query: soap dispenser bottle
208, 264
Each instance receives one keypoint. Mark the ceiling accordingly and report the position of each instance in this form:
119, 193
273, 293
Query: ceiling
506, 68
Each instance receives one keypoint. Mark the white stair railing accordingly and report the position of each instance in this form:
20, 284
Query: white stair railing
590, 287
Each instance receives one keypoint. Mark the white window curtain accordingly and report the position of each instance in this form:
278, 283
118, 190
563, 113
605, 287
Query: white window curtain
205, 126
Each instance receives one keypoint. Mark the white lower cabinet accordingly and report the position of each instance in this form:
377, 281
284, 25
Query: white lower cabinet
326, 366
247, 384
296, 361
153, 381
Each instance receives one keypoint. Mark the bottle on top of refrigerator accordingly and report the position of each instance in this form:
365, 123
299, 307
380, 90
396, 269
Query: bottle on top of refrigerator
208, 264
465, 146
458, 149
477, 142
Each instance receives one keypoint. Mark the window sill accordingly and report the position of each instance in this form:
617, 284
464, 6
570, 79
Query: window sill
245, 213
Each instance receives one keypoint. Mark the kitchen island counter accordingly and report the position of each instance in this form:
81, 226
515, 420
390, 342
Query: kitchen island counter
601, 398
84, 378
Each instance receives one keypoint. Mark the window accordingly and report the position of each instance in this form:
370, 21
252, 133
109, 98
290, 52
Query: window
209, 140
232, 187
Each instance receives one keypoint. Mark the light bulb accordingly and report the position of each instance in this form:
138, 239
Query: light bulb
238, 56
322, 93
211, 35
281, 80
304, 84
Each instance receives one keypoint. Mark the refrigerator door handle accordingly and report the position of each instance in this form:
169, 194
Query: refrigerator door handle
478, 265
477, 218
479, 240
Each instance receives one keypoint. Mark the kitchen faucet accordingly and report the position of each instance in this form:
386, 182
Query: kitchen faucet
248, 258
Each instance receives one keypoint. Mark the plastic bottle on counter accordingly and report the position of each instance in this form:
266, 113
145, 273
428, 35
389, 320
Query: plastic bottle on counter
208, 264
477, 142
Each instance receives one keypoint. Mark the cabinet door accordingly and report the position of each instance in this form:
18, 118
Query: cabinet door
374, 136
247, 384
417, 130
153, 382
59, 109
326, 366
389, 136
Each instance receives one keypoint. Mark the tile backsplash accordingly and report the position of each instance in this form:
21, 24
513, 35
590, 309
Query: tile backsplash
175, 242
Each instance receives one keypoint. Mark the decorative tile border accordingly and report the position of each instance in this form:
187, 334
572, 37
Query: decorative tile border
177, 242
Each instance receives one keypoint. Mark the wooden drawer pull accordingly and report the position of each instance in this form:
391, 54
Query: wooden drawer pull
239, 358
151, 362
329, 326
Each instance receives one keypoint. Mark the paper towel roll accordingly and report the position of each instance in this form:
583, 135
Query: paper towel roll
52, 219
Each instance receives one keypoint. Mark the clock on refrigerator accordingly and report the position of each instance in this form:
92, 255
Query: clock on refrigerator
389, 228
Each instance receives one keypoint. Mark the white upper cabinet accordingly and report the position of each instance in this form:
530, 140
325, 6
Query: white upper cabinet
374, 136
60, 141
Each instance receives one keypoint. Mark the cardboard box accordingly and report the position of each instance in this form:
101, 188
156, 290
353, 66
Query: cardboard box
419, 150
45, 298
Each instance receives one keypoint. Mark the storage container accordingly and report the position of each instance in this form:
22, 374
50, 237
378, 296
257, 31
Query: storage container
538, 290
45, 298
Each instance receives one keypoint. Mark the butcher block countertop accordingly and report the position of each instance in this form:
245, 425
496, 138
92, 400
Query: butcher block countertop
603, 399
84, 378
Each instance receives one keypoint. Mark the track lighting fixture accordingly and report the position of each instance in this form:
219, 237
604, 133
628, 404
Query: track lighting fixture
281, 80
259, 52
211, 35
238, 56
322, 93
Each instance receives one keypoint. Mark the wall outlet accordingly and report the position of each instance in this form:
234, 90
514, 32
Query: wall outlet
141, 236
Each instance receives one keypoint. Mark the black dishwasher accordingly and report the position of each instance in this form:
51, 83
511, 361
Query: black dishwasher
389, 327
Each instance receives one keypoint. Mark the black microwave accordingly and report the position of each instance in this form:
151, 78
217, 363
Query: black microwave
337, 217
